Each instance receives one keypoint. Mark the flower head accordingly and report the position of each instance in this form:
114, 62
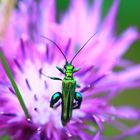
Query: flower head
30, 57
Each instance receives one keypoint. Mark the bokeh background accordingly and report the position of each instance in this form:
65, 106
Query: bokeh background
128, 15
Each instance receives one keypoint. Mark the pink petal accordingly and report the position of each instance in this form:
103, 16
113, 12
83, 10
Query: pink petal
109, 21
126, 112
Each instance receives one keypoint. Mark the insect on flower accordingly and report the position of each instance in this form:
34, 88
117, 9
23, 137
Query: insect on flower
69, 84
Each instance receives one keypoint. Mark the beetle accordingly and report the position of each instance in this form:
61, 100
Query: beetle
69, 84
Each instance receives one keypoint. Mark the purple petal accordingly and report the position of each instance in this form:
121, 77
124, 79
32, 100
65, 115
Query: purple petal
96, 15
109, 21
130, 74
126, 113
97, 136
117, 49
99, 123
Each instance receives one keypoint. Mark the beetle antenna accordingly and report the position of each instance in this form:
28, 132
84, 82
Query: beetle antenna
56, 46
82, 47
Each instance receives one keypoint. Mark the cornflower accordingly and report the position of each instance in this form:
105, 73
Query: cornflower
29, 117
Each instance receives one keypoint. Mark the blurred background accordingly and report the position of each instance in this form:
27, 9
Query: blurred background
128, 15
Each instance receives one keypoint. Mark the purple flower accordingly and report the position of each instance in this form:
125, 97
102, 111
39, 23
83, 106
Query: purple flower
28, 55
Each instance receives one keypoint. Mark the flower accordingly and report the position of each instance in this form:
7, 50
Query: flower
29, 55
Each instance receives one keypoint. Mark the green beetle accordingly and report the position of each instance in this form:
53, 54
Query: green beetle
69, 93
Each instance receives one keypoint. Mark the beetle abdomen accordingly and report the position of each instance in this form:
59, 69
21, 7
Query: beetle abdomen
68, 91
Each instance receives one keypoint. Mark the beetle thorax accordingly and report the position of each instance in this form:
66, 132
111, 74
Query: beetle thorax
69, 71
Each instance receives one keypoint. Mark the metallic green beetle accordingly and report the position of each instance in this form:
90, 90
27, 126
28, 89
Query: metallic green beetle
68, 94
69, 85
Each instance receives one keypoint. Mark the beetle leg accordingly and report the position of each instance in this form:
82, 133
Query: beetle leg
55, 78
61, 69
78, 98
55, 98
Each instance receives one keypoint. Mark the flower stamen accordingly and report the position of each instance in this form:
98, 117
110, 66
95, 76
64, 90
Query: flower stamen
18, 65
8, 114
28, 84
11, 90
